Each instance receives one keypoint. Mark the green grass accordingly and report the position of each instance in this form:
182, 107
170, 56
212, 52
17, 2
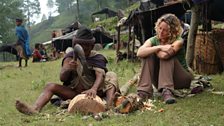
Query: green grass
205, 109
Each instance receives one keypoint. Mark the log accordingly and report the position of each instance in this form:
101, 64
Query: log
127, 104
86, 105
124, 89
122, 105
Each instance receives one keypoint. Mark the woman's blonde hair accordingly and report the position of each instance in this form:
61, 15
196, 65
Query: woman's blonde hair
173, 23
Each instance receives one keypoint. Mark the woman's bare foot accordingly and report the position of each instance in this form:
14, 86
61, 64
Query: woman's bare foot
24, 108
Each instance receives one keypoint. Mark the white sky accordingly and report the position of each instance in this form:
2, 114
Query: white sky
44, 10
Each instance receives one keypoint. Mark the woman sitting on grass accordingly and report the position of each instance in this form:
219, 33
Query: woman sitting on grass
164, 63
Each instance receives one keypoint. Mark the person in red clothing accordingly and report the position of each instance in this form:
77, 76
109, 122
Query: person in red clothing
37, 57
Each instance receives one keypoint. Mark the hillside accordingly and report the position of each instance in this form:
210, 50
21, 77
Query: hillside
42, 32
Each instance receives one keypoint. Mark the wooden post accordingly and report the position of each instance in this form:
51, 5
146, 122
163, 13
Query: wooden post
4, 57
77, 7
101, 40
195, 10
133, 48
129, 40
118, 41
142, 30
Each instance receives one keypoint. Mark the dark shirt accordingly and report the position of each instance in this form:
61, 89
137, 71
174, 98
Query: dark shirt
97, 60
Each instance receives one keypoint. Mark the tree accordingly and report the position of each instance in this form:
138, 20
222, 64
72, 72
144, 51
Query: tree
99, 2
9, 11
50, 5
64, 5
121, 4
104, 3
77, 6
30, 9
44, 17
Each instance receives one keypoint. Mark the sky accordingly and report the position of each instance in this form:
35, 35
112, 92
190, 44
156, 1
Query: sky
44, 10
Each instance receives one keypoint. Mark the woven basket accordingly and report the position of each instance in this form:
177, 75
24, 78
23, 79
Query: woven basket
206, 58
219, 43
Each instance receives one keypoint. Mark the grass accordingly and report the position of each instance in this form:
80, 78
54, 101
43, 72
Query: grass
205, 109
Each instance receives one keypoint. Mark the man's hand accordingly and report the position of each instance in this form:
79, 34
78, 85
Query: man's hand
90, 93
70, 63
69, 66
73, 64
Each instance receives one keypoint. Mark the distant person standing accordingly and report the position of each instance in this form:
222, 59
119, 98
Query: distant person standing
53, 35
22, 44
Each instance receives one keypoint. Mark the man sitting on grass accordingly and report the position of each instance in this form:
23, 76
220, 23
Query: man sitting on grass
95, 80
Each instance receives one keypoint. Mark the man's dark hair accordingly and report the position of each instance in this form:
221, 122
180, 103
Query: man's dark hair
84, 36
19, 20
84, 33
37, 46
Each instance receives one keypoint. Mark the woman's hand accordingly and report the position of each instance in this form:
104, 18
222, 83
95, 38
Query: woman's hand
163, 55
166, 51
165, 48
